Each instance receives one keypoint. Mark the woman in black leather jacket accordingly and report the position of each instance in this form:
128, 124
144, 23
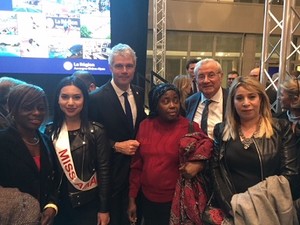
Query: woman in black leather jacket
290, 102
250, 146
83, 152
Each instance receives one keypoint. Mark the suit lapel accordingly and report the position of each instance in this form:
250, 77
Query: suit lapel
138, 98
197, 100
225, 94
114, 101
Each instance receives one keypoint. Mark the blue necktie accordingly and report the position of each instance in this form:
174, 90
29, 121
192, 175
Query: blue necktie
128, 110
205, 116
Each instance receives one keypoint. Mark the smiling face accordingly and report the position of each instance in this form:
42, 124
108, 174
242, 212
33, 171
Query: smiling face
247, 104
30, 116
209, 79
71, 101
122, 69
168, 106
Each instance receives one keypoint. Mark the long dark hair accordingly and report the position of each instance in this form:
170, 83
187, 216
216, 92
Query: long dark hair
58, 114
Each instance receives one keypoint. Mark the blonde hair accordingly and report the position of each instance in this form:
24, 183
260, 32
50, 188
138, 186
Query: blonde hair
182, 82
232, 122
292, 89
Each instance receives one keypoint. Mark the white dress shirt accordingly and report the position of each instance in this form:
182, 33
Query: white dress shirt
131, 100
215, 111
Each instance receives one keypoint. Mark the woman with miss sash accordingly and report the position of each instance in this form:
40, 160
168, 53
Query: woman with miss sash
83, 153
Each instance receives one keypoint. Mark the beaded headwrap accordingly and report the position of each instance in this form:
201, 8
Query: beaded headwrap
155, 94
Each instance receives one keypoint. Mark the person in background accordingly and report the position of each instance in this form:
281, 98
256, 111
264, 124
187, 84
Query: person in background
119, 106
27, 159
87, 79
250, 145
231, 76
290, 101
6, 84
255, 73
190, 66
183, 83
155, 167
82, 150
207, 107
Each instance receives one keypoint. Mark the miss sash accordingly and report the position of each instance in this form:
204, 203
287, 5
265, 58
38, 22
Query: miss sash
63, 152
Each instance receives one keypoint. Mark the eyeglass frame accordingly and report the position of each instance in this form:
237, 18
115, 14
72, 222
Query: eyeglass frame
210, 75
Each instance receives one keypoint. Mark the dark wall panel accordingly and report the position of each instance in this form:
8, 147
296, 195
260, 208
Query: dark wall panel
129, 26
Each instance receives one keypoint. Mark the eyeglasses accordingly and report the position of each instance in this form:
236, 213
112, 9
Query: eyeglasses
210, 76
122, 66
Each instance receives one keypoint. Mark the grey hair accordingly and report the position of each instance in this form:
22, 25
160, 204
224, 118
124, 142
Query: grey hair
123, 50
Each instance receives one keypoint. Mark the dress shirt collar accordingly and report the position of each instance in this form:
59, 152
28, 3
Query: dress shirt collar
216, 98
118, 90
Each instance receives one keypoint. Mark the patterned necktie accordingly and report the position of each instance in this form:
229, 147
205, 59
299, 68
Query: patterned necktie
128, 110
205, 116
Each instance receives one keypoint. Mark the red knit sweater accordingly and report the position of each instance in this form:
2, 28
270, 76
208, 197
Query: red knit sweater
155, 166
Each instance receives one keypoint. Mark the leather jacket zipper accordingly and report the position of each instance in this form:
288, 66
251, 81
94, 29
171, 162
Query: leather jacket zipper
260, 159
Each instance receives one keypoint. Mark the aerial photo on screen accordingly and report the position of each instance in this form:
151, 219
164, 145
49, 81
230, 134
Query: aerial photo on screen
56, 29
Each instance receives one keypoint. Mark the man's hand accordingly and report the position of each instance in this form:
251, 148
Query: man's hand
128, 147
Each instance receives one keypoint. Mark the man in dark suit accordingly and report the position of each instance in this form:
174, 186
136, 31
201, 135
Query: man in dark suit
190, 66
110, 107
208, 74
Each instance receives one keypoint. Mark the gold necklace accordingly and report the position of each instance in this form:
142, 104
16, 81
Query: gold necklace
34, 141
245, 141
248, 141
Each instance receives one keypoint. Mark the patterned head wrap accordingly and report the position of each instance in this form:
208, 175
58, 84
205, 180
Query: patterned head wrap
155, 94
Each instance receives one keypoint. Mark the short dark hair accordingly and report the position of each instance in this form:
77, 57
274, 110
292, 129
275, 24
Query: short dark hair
85, 76
6, 84
191, 61
233, 72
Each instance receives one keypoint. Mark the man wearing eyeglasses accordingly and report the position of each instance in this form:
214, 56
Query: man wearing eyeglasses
119, 106
207, 107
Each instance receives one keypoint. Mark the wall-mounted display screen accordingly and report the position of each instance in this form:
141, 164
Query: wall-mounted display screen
54, 36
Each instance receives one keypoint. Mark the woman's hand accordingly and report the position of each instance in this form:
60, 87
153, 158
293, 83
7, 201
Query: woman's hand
132, 211
48, 216
103, 218
190, 169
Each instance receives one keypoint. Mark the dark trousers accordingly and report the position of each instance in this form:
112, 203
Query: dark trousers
155, 213
118, 208
86, 214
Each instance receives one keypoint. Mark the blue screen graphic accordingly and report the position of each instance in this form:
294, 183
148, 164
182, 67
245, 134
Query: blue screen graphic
54, 36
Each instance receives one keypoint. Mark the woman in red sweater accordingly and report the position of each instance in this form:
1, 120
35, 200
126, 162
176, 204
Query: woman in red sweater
155, 168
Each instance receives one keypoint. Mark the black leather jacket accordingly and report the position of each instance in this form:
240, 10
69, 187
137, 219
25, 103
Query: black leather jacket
277, 155
90, 153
